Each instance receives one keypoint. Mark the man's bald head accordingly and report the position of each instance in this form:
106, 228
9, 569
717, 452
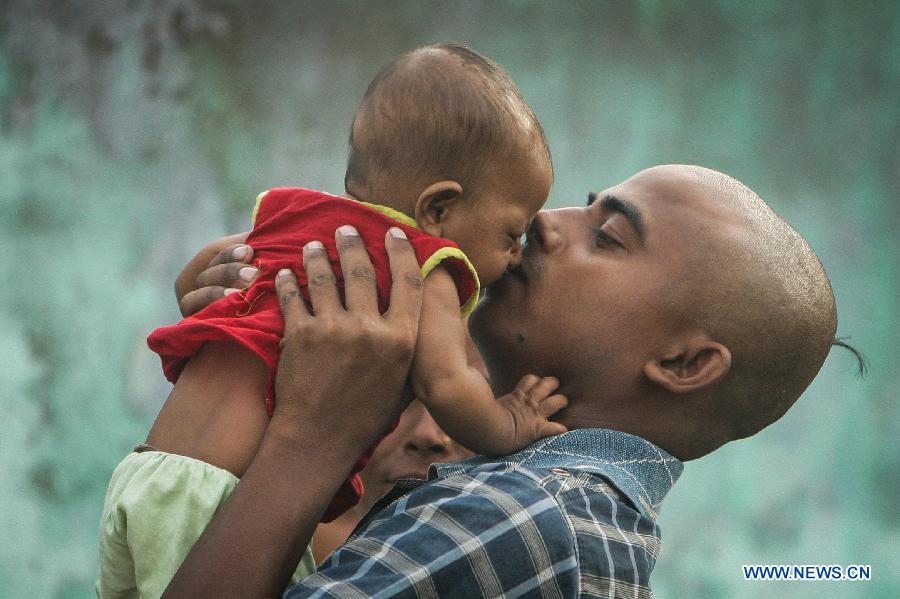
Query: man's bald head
676, 306
756, 286
439, 112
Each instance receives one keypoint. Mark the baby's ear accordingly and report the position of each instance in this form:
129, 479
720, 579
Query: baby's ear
690, 365
434, 204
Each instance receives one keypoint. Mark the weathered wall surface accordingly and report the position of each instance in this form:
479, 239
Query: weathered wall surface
133, 132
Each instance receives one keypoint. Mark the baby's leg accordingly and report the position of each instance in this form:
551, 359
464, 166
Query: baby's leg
216, 413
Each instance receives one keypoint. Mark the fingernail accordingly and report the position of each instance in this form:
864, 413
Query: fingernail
229, 291
348, 231
313, 245
247, 273
284, 272
398, 233
239, 252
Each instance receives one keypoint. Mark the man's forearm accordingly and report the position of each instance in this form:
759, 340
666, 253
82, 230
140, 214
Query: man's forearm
254, 543
341, 360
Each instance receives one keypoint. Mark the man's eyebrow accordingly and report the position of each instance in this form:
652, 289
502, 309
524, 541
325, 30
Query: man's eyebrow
631, 212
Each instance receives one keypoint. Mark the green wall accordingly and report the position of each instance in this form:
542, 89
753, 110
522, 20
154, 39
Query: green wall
131, 133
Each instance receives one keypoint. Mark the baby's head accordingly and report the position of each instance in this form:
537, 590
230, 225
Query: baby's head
444, 136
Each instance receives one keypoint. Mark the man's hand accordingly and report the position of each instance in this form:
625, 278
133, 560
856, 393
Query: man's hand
220, 268
372, 350
339, 384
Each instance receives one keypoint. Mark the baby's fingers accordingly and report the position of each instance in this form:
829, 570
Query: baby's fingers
525, 386
542, 388
551, 405
548, 429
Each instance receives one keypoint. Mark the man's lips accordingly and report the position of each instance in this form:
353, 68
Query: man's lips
523, 274
527, 268
517, 273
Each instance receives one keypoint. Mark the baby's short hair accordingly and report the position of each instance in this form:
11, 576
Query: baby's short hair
438, 112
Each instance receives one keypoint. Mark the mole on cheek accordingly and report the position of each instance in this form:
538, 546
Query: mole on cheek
520, 338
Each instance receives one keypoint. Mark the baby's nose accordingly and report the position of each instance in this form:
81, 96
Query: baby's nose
515, 257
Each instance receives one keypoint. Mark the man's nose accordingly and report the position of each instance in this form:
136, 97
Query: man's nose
427, 440
544, 232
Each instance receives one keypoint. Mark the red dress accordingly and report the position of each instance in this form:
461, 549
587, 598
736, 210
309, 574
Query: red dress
284, 221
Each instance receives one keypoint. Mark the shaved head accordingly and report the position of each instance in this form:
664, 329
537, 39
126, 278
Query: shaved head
676, 306
756, 286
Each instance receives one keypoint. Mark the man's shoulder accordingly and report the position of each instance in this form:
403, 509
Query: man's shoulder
576, 509
503, 528
504, 488
615, 544
485, 532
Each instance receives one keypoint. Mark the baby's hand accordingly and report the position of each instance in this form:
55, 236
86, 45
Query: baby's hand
530, 404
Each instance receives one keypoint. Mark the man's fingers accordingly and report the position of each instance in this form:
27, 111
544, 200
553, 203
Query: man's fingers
235, 275
237, 252
360, 291
406, 290
213, 254
551, 405
321, 282
293, 307
197, 300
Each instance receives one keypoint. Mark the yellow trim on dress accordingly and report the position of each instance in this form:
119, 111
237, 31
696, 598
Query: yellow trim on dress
433, 260
449, 252
390, 213
259, 200
436, 258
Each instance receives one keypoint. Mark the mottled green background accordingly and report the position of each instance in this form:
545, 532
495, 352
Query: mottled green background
133, 132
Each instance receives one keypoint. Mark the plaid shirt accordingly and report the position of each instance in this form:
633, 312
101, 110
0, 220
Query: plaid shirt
569, 516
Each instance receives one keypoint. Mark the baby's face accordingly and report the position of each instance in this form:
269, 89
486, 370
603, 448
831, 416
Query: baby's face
490, 229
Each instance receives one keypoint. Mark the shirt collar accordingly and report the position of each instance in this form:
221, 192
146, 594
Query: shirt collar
639, 469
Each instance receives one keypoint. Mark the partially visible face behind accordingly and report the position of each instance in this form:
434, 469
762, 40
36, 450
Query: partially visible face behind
406, 452
589, 302
489, 228
415, 444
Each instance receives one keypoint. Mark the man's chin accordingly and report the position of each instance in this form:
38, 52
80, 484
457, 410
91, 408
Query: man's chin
511, 279
496, 327
499, 296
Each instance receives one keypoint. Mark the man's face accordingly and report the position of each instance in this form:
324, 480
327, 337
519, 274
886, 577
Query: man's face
589, 303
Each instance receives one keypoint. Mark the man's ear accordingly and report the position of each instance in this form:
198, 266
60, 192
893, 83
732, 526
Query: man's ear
695, 364
435, 203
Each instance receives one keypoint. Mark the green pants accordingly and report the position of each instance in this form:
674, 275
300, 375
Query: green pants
156, 507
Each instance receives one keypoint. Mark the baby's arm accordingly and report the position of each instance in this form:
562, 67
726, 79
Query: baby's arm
458, 396
216, 411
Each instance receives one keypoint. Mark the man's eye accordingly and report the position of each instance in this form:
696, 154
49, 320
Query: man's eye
602, 239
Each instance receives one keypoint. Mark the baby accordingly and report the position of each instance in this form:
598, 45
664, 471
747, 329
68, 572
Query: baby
443, 148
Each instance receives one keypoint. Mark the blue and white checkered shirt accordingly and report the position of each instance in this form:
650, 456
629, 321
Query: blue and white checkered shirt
568, 516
